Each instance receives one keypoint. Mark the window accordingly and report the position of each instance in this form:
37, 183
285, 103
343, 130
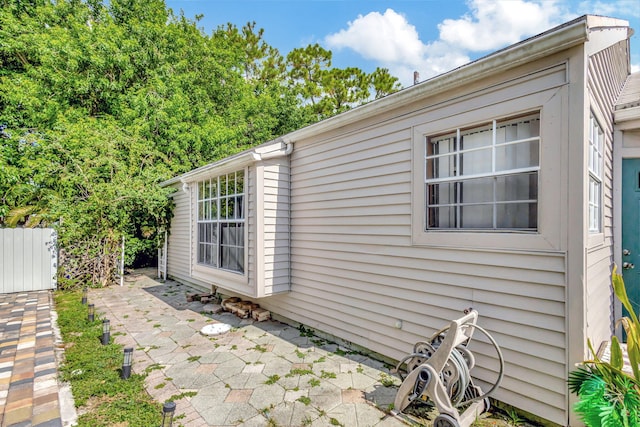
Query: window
485, 177
221, 222
596, 138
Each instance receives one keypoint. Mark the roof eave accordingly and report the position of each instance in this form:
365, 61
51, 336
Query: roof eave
556, 40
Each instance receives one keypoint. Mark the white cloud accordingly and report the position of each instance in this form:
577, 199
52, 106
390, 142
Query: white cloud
635, 68
384, 37
391, 40
493, 24
610, 8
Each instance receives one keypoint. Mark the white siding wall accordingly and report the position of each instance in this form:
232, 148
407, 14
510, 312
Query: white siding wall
607, 72
276, 227
355, 271
267, 234
181, 248
178, 247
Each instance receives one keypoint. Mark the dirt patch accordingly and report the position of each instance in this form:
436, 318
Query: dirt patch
423, 414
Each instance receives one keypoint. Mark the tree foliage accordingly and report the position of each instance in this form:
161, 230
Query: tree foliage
100, 101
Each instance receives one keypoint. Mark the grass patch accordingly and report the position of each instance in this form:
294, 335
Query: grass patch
153, 367
182, 395
299, 372
259, 348
272, 379
94, 372
194, 358
304, 399
326, 374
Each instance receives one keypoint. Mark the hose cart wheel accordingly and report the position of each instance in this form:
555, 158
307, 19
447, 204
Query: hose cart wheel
445, 420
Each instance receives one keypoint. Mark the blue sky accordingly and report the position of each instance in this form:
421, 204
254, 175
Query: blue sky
428, 36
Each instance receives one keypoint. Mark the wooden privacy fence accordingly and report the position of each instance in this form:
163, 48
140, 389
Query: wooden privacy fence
28, 259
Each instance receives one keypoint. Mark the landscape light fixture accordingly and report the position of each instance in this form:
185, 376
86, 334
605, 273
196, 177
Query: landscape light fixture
168, 409
85, 292
126, 363
92, 312
106, 326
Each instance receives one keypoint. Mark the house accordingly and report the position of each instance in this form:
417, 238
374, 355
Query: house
500, 185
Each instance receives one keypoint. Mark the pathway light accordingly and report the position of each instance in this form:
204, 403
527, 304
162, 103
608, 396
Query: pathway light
126, 363
106, 334
168, 409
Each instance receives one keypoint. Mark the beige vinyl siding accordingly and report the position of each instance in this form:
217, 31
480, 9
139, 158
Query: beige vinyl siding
251, 228
275, 236
355, 271
606, 74
178, 247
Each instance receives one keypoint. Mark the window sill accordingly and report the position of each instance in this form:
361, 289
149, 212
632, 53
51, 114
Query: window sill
236, 282
494, 240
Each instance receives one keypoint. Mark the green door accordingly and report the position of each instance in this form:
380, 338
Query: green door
631, 230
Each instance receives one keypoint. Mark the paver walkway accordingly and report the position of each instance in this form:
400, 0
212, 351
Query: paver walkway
28, 368
259, 373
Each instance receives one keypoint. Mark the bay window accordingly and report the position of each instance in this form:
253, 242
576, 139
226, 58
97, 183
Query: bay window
221, 222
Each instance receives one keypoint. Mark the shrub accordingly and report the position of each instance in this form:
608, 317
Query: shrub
609, 396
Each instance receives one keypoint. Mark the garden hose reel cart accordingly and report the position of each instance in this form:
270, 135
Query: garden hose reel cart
438, 370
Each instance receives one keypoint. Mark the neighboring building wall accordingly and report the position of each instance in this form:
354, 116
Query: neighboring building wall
606, 74
356, 270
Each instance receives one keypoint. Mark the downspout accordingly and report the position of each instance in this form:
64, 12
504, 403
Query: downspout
274, 154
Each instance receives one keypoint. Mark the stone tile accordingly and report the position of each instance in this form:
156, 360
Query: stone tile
252, 369
293, 395
230, 372
239, 396
353, 396
14, 416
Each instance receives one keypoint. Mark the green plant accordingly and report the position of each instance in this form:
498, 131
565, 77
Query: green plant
94, 373
259, 348
272, 379
182, 395
335, 422
513, 418
386, 380
609, 396
314, 382
299, 372
304, 332
631, 327
304, 399
326, 374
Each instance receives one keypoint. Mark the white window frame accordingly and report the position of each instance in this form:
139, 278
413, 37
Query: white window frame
595, 167
552, 189
457, 178
205, 215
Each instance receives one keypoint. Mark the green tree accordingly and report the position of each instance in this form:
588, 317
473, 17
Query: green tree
383, 83
100, 101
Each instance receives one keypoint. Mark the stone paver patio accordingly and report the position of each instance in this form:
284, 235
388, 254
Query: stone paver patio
259, 373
